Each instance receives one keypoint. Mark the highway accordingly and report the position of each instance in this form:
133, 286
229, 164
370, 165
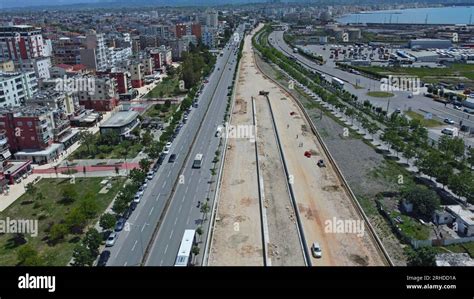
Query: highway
418, 103
183, 212
132, 242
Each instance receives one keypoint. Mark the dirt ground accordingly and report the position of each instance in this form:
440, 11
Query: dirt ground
284, 248
237, 239
318, 191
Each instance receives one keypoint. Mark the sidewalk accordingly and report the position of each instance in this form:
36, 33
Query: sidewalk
18, 190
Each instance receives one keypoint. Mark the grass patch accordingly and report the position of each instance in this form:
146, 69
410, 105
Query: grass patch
380, 94
412, 228
47, 211
98, 151
169, 87
458, 248
425, 122
391, 172
161, 111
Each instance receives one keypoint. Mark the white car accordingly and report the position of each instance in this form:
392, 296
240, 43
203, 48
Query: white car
137, 198
449, 121
316, 250
149, 176
111, 240
166, 151
168, 145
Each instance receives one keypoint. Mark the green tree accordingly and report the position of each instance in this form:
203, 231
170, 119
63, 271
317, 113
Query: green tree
92, 240
451, 147
31, 189
470, 157
107, 221
28, 256
83, 256
68, 193
144, 165
76, 220
199, 231
89, 206
423, 256
137, 175
425, 201
58, 231
87, 138
205, 209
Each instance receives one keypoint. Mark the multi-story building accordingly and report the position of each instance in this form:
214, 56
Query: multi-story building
66, 50
21, 42
7, 66
181, 29
157, 57
121, 77
64, 101
103, 97
196, 30
212, 18
16, 87
40, 66
209, 37
117, 55
27, 128
137, 74
94, 55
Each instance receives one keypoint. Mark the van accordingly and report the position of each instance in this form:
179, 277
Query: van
449, 131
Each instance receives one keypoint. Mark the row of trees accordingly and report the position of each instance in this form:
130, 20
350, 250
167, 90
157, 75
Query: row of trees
447, 163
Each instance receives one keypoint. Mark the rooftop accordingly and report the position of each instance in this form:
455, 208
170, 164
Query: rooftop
454, 259
120, 119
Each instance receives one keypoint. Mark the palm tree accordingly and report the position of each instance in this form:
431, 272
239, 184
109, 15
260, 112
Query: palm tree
205, 209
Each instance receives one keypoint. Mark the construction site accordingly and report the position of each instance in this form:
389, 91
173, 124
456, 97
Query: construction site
281, 192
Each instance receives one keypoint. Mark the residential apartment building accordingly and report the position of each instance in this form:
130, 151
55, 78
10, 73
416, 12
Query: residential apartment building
66, 50
21, 42
104, 96
94, 54
16, 88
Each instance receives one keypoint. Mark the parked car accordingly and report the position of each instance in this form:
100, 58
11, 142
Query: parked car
172, 158
316, 250
103, 258
137, 198
166, 151
133, 206
448, 131
321, 163
111, 239
149, 176
120, 224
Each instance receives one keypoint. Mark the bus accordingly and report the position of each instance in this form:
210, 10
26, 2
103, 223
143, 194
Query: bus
184, 257
338, 82
197, 161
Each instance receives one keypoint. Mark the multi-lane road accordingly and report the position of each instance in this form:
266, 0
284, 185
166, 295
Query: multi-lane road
418, 103
169, 204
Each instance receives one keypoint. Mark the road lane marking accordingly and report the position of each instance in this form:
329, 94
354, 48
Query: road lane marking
125, 263
169, 173
180, 207
151, 211
134, 244
171, 234
143, 227
176, 220
164, 184
166, 248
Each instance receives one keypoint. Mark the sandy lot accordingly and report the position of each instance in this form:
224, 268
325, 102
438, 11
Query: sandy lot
318, 191
237, 239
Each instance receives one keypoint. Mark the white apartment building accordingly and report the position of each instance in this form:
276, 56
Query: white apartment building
16, 88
